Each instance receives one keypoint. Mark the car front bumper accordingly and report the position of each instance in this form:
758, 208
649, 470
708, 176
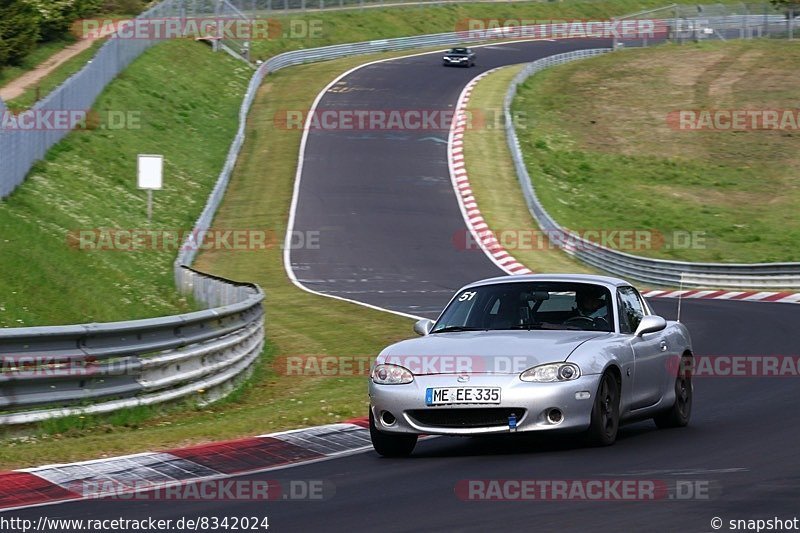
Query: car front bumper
530, 402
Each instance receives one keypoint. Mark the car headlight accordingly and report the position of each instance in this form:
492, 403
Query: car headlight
391, 375
551, 372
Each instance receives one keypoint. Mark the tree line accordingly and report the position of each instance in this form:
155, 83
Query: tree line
26, 23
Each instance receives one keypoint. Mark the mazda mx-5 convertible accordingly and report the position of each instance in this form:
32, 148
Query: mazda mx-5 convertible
533, 353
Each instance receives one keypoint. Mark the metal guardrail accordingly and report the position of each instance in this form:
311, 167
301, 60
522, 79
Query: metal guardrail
653, 271
56, 371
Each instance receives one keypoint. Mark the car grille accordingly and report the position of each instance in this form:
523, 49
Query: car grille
465, 418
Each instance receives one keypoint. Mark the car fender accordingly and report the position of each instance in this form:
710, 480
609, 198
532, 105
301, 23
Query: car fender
614, 353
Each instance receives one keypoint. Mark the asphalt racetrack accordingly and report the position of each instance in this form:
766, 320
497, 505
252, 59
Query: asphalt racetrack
386, 212
382, 201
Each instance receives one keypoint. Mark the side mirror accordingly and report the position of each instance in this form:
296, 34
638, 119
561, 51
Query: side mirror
423, 327
650, 324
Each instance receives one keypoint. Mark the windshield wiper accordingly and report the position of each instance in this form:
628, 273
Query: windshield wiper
448, 329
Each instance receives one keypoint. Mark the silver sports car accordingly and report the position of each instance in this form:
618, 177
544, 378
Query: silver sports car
533, 353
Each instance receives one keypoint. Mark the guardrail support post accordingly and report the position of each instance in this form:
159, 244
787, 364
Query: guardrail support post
613, 25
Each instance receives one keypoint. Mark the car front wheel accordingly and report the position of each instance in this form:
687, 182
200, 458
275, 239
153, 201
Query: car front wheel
679, 414
391, 444
605, 413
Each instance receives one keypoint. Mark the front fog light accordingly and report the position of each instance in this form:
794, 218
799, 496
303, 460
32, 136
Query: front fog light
391, 375
551, 372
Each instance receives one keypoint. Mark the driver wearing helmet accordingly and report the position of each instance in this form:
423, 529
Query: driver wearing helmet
591, 302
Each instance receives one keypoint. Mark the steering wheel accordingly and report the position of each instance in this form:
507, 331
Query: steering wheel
601, 324
580, 321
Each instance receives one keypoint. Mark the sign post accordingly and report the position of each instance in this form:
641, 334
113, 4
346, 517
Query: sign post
150, 177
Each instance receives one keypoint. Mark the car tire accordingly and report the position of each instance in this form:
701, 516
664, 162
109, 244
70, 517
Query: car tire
391, 444
678, 415
604, 423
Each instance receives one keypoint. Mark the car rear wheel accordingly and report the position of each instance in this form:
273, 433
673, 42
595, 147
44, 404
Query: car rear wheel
679, 414
391, 444
605, 413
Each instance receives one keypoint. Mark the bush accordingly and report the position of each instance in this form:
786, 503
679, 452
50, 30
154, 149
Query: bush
56, 16
19, 30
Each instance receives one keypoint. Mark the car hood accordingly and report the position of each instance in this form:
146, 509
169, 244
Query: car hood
493, 352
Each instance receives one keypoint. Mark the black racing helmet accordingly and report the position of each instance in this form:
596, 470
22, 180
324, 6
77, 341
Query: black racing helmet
588, 293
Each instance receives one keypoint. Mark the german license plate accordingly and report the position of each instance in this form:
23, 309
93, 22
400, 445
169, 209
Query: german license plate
461, 395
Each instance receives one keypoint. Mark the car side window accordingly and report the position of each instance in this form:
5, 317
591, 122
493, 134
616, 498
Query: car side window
631, 310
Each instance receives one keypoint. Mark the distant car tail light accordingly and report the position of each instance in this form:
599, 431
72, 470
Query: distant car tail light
551, 372
391, 375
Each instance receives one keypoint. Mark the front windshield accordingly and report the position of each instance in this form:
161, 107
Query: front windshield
458, 50
529, 306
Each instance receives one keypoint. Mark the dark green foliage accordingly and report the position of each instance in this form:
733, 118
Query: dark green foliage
19, 30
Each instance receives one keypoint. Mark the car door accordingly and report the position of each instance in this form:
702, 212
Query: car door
648, 350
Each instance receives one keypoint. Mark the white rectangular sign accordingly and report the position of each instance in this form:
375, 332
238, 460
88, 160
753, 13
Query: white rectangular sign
151, 168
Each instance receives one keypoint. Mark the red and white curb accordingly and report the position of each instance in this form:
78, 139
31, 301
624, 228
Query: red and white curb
746, 296
466, 200
62, 482
502, 258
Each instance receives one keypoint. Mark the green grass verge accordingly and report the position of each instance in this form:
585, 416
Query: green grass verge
89, 181
601, 154
495, 186
50, 82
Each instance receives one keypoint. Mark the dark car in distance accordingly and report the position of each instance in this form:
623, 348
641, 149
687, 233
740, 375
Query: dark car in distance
459, 57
